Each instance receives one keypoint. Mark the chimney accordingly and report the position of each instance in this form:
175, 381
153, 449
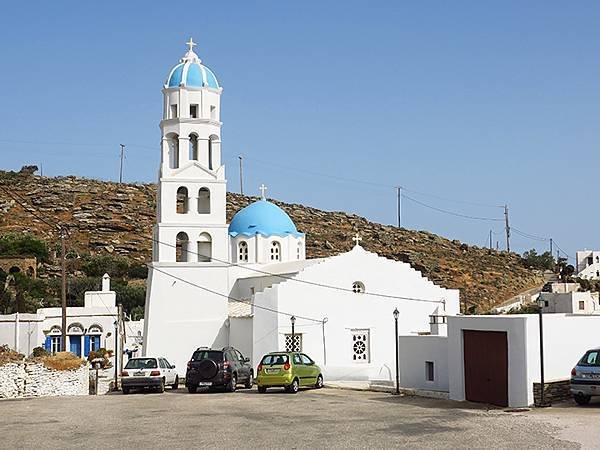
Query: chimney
438, 323
105, 283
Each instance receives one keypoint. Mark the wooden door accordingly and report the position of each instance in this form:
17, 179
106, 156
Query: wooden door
486, 366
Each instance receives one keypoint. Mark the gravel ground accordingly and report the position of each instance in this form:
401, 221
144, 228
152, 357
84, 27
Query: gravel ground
331, 418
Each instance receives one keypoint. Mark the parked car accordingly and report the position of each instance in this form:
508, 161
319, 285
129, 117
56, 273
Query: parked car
289, 370
148, 372
224, 368
585, 377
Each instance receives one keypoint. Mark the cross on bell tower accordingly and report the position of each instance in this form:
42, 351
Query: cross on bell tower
357, 239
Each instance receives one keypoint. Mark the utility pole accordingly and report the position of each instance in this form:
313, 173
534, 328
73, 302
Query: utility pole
121, 170
63, 263
399, 189
551, 246
241, 176
491, 240
507, 228
121, 328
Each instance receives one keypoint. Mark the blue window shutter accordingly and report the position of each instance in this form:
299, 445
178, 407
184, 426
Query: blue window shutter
86, 345
48, 343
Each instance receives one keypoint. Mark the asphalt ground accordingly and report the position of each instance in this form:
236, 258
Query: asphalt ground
326, 418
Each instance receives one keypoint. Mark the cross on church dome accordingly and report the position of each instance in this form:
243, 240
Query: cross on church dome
262, 190
357, 239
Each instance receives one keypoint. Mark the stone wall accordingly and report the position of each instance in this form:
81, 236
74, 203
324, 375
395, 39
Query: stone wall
29, 379
554, 391
27, 266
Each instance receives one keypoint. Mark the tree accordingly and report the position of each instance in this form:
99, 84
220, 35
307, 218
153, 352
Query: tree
23, 245
545, 261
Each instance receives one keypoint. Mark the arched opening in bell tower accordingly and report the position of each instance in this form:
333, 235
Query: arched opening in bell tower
181, 247
212, 139
204, 247
203, 201
173, 141
182, 200
193, 149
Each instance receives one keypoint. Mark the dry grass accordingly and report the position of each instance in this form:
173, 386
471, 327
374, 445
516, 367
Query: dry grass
7, 355
61, 361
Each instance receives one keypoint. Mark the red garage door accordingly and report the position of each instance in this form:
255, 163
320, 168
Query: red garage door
486, 366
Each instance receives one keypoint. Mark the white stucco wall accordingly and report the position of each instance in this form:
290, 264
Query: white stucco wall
413, 352
347, 311
180, 317
240, 334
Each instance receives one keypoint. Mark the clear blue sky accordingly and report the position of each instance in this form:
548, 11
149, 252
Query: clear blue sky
486, 102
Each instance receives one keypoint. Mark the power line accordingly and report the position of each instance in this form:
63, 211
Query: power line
246, 302
452, 213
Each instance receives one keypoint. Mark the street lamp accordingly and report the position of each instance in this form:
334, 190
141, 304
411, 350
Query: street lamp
396, 315
541, 303
293, 320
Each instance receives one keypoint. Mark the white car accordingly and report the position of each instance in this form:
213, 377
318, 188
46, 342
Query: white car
148, 372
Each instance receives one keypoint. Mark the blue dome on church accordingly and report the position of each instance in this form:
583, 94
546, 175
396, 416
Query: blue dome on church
262, 217
190, 72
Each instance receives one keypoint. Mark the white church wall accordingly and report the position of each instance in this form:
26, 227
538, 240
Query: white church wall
240, 334
348, 312
414, 353
265, 330
192, 216
28, 336
180, 317
167, 237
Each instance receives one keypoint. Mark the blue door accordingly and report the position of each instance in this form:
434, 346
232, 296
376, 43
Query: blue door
75, 345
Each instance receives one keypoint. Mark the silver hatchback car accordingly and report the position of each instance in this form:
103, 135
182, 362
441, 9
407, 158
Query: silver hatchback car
585, 377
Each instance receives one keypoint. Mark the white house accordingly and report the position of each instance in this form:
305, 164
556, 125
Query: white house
244, 283
496, 359
588, 264
89, 327
570, 302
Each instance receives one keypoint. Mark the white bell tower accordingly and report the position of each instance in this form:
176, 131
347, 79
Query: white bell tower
191, 225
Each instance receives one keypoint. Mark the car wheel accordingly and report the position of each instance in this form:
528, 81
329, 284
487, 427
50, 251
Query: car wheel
262, 389
293, 388
581, 399
175, 385
161, 388
125, 390
249, 381
319, 383
232, 384
192, 389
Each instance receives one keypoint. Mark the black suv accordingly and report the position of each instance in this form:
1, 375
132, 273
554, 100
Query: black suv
218, 368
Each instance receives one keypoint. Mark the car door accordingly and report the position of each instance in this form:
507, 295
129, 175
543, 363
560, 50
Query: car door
164, 368
171, 371
299, 368
311, 369
244, 368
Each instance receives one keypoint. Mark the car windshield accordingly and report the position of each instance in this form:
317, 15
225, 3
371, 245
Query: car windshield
213, 355
272, 360
141, 363
591, 358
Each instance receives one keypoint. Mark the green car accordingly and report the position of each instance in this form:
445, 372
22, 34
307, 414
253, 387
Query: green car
289, 370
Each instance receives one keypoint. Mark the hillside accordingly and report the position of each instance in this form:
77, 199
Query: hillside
104, 217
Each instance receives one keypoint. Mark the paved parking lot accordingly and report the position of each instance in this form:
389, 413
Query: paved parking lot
325, 418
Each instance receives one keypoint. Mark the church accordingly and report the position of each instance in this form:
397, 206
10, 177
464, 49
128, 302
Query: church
248, 284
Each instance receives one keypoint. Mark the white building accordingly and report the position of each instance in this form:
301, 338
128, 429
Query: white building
89, 327
496, 359
571, 302
588, 264
217, 284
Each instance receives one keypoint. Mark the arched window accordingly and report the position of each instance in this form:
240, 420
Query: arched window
173, 141
193, 148
275, 251
182, 200
181, 247
243, 251
203, 201
211, 140
204, 247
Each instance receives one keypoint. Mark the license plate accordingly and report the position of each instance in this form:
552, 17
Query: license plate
205, 383
138, 374
272, 370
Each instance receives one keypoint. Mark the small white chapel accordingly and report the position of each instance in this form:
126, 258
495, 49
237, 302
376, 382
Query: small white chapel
248, 284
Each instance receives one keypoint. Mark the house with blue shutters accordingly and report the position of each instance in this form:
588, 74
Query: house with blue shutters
89, 327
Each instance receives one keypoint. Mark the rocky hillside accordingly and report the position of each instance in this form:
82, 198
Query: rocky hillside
105, 217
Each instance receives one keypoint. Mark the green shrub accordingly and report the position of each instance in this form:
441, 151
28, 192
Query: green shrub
98, 265
39, 352
23, 245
